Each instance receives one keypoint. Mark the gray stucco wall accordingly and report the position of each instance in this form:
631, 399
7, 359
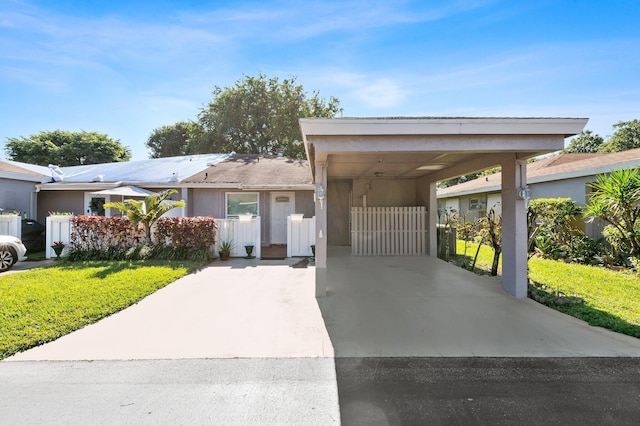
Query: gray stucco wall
62, 201
575, 189
382, 192
17, 195
211, 202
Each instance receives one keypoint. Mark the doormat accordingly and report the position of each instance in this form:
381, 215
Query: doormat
274, 252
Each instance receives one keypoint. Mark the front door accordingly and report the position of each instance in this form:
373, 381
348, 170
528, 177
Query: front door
282, 205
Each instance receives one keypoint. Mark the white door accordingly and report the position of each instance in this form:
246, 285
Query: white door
282, 205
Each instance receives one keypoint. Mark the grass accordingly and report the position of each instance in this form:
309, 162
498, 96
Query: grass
40, 305
599, 296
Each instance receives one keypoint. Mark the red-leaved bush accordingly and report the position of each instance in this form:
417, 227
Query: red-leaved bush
101, 233
186, 231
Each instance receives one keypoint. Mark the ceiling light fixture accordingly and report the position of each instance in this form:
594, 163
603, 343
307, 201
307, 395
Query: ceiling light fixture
432, 167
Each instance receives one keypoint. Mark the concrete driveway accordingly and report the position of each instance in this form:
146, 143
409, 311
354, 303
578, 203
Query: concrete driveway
424, 307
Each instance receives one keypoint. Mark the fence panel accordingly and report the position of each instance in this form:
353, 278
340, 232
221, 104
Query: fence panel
301, 234
241, 232
11, 224
58, 229
384, 231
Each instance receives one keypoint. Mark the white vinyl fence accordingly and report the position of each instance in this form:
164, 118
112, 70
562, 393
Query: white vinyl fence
11, 224
301, 234
241, 232
58, 229
389, 231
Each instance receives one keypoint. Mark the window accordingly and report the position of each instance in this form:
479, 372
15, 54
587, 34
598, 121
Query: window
474, 204
241, 203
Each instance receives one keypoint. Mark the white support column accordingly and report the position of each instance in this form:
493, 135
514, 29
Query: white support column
514, 227
432, 217
321, 231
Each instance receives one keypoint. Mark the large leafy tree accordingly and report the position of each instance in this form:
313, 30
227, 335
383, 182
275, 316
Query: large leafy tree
173, 140
147, 211
66, 148
585, 142
625, 137
259, 115
616, 200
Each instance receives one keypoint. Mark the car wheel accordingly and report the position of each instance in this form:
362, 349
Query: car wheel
8, 257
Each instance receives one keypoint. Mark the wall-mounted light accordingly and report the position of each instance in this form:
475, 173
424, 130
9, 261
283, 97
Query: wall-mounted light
378, 174
320, 195
524, 193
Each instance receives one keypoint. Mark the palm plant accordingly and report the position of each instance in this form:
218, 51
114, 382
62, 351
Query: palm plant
147, 211
616, 200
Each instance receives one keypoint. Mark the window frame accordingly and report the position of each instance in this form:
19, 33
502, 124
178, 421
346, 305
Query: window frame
236, 216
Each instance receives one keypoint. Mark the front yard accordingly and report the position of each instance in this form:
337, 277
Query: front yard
40, 305
599, 296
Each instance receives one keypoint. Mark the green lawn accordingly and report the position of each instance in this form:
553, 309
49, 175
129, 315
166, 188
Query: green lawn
599, 296
40, 305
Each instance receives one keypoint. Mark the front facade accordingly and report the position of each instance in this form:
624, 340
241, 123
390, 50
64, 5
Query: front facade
224, 186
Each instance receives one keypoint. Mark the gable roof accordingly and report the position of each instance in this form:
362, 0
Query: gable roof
558, 167
255, 171
23, 171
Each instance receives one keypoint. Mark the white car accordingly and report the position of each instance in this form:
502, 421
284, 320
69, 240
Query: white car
11, 251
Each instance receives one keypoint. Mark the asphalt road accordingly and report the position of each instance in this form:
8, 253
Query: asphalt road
489, 391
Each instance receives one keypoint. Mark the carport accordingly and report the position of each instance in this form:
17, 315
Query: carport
396, 163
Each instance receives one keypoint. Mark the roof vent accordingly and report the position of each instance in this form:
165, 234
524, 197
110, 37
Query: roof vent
98, 178
174, 177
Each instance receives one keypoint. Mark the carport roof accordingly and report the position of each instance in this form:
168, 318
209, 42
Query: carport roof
413, 147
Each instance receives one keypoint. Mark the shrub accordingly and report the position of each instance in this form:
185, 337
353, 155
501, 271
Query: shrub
186, 231
100, 232
552, 234
116, 238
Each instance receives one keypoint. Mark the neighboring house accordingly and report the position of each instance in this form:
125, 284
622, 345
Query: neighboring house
563, 175
18, 186
220, 185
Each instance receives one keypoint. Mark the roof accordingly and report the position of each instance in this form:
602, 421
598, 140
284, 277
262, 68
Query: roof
558, 167
255, 171
23, 171
151, 171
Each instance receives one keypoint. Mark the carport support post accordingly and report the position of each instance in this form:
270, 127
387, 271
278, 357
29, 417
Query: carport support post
321, 231
432, 217
514, 227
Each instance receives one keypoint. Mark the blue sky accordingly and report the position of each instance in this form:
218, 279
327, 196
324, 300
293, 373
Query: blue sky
126, 67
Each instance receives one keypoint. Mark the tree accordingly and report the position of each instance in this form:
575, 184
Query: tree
616, 200
626, 137
66, 148
259, 115
148, 211
585, 142
173, 140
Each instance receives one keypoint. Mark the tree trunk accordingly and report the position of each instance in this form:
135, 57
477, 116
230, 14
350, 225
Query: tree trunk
494, 265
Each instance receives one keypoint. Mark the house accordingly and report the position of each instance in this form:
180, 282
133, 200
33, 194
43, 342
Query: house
18, 186
562, 175
225, 186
